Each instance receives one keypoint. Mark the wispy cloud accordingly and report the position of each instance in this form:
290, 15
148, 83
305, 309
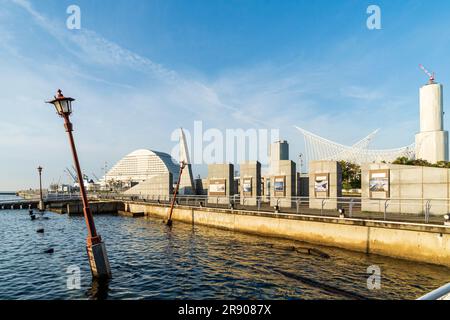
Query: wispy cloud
358, 92
143, 112
96, 50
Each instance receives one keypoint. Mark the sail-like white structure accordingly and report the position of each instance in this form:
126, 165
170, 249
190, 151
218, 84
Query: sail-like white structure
318, 148
187, 181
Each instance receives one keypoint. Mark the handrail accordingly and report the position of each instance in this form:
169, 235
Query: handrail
430, 210
442, 293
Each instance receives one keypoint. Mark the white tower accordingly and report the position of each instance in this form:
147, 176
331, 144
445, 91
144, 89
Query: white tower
187, 181
432, 140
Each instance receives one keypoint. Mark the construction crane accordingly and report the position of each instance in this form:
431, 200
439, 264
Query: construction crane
95, 176
431, 76
73, 176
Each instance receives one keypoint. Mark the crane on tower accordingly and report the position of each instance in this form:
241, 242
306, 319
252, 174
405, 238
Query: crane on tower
431, 76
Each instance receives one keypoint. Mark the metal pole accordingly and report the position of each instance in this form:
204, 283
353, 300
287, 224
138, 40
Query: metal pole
386, 204
93, 237
40, 183
96, 250
169, 221
41, 198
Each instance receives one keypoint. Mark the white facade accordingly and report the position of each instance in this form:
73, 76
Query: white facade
432, 140
141, 165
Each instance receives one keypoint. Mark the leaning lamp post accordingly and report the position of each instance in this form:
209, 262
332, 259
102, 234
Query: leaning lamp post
41, 197
96, 249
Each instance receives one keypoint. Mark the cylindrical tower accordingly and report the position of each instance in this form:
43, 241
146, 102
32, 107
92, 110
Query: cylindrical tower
431, 108
432, 140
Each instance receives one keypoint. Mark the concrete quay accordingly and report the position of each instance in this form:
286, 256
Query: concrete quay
426, 243
76, 207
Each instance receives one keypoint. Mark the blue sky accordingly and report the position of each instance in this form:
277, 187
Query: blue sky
140, 69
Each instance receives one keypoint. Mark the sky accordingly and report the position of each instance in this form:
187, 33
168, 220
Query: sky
140, 69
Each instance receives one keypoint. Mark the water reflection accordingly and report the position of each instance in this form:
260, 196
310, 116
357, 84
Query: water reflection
99, 289
151, 261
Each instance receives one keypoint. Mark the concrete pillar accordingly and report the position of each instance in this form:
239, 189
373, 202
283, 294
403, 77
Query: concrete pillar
250, 182
41, 205
220, 183
98, 260
283, 184
325, 184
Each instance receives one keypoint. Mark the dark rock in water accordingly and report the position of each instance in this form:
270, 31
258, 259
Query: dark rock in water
319, 253
51, 250
41, 230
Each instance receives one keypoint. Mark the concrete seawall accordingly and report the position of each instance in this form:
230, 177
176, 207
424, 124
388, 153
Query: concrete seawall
76, 207
417, 242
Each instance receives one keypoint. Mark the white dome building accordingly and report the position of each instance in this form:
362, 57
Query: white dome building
140, 165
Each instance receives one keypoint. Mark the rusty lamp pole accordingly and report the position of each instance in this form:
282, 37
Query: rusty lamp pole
175, 192
96, 249
41, 198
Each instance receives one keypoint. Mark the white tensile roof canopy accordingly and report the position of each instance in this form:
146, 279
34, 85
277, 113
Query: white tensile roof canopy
318, 148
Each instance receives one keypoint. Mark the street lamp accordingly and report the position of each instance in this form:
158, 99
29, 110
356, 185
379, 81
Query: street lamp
300, 159
182, 166
96, 249
41, 198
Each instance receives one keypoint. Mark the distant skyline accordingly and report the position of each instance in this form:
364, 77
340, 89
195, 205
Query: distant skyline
141, 69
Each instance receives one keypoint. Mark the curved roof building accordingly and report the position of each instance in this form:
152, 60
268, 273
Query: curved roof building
141, 165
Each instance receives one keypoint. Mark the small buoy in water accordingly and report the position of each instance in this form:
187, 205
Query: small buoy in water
51, 250
40, 230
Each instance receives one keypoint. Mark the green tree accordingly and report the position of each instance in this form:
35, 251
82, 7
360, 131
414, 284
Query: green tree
351, 175
421, 162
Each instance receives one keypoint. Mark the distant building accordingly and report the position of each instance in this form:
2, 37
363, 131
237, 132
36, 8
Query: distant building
141, 165
279, 151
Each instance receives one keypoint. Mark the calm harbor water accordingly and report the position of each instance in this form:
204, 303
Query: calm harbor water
151, 261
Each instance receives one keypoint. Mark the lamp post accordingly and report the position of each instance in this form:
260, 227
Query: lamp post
41, 198
95, 247
300, 160
175, 192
